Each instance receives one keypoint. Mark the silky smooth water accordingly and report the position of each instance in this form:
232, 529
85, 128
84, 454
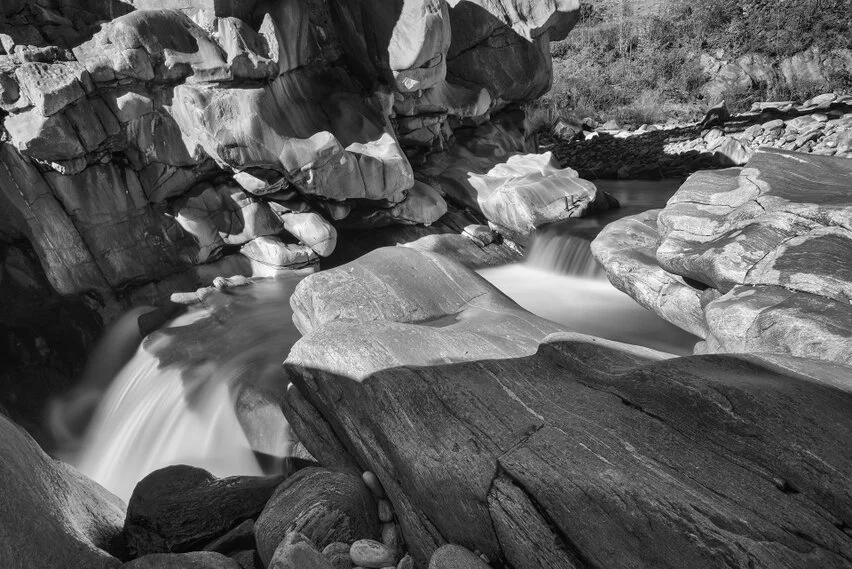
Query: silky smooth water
561, 281
174, 401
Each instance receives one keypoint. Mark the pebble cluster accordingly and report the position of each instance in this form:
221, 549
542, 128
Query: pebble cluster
297, 551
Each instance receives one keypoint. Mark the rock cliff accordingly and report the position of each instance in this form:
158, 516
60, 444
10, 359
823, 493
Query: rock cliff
149, 150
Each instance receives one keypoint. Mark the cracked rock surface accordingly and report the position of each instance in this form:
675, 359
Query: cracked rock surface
578, 452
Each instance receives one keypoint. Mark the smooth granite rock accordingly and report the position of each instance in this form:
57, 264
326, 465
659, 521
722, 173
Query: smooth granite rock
755, 259
50, 514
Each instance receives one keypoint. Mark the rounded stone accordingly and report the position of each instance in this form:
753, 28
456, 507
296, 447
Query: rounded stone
385, 511
370, 553
372, 482
456, 557
326, 506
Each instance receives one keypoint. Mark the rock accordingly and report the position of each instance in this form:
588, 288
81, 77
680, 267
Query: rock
385, 511
391, 536
338, 555
455, 557
731, 152
238, 539
298, 555
324, 505
528, 191
52, 87
406, 562
470, 319
372, 482
626, 247
52, 516
742, 234
193, 560
369, 553
159, 110
182, 508
475, 452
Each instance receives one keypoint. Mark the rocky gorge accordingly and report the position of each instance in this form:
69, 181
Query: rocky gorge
293, 199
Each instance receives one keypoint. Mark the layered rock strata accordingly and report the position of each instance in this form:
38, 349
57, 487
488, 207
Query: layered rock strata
752, 259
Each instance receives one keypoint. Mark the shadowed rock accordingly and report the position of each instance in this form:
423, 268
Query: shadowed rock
52, 516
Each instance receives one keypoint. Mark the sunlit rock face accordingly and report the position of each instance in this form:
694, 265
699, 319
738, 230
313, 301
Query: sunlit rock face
753, 259
143, 138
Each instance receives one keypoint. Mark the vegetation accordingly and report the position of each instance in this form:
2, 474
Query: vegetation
638, 61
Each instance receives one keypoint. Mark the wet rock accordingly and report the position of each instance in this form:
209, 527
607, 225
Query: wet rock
181, 508
369, 553
326, 506
50, 514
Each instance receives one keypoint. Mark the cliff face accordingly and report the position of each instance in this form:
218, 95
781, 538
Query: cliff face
149, 150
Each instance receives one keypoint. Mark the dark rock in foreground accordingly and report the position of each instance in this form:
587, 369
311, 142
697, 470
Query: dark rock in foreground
182, 508
50, 514
586, 453
325, 506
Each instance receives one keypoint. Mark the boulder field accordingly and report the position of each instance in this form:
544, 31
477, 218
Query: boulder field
146, 151
752, 259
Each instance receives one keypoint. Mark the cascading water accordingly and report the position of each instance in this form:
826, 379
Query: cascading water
174, 401
195, 388
561, 281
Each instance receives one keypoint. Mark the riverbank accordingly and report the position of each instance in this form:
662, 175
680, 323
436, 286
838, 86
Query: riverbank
822, 126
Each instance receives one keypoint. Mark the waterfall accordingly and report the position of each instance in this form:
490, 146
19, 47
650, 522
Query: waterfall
177, 401
564, 254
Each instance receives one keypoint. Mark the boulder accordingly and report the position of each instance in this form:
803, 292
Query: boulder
182, 508
747, 256
52, 516
325, 506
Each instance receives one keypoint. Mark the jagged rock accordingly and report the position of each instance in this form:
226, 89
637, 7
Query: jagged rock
52, 87
181, 508
52, 516
325, 506
320, 102
193, 560
767, 242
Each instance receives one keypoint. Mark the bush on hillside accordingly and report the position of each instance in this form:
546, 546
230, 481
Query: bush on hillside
640, 58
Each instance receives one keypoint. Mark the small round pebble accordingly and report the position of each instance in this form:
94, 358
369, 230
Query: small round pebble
391, 536
370, 553
406, 562
385, 510
372, 482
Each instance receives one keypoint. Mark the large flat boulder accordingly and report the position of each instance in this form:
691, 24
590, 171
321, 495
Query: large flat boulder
754, 259
52, 516
568, 451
